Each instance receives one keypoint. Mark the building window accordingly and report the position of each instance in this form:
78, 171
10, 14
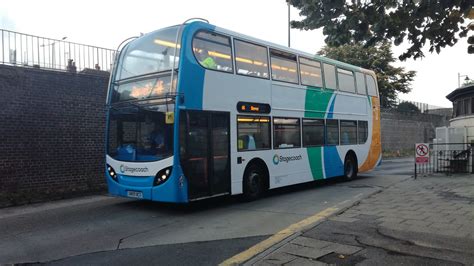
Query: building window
286, 133
310, 73
313, 132
467, 106
213, 51
346, 80
284, 66
362, 131
253, 133
330, 76
251, 59
332, 132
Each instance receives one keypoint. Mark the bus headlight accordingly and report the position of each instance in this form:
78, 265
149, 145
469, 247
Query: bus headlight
162, 176
112, 172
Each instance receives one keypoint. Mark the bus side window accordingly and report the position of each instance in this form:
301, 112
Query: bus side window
213, 51
330, 76
251, 59
371, 87
362, 131
310, 73
360, 81
286, 132
332, 132
284, 66
253, 133
348, 132
346, 80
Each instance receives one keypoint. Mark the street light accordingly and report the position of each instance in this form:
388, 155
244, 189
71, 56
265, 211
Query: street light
288, 2
459, 79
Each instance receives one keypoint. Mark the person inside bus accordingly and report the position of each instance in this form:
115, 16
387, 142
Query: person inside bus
209, 62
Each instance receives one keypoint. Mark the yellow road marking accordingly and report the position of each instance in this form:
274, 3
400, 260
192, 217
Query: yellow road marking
267, 243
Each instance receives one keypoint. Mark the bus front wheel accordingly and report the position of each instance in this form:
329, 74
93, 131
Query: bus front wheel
254, 178
350, 167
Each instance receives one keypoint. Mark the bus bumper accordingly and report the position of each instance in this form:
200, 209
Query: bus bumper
142, 188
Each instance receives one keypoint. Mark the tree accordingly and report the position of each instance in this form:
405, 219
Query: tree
408, 107
438, 22
379, 58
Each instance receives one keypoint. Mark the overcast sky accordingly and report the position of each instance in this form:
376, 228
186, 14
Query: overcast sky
107, 23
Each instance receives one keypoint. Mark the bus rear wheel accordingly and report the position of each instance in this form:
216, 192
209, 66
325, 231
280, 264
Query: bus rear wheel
254, 178
350, 167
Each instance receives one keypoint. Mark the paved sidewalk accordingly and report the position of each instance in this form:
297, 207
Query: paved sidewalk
427, 221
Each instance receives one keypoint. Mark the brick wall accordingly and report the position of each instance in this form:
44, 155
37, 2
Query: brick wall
51, 134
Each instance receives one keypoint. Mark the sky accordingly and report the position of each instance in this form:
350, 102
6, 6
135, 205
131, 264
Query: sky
107, 23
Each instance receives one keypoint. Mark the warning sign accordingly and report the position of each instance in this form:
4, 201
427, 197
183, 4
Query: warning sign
422, 153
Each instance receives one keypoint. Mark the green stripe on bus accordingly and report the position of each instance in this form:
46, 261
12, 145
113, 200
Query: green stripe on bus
316, 105
315, 162
316, 102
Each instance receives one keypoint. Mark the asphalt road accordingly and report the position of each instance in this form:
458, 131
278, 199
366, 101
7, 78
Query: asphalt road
106, 230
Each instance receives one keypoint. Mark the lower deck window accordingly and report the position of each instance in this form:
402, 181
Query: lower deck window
253, 133
287, 133
332, 132
348, 132
363, 131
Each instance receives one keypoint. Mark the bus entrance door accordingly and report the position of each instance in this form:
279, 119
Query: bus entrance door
204, 138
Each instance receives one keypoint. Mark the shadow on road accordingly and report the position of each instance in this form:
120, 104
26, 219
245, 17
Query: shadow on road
235, 200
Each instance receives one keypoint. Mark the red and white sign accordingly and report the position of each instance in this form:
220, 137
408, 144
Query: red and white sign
422, 153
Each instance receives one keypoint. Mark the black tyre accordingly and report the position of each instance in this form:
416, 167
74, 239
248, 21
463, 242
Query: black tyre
254, 180
350, 167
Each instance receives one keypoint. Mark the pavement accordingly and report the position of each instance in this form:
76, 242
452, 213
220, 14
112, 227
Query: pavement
424, 221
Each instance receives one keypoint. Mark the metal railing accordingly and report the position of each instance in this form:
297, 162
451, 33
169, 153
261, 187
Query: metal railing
448, 158
33, 51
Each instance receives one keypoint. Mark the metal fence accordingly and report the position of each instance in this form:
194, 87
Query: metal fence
448, 158
40, 52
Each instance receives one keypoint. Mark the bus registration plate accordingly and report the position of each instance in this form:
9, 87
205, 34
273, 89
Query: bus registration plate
135, 194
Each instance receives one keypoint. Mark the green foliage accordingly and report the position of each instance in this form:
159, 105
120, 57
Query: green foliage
408, 107
379, 58
436, 22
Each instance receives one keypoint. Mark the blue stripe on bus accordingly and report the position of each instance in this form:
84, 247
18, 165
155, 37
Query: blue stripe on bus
333, 165
191, 77
331, 107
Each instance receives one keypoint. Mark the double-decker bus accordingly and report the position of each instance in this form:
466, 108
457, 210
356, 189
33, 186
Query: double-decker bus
197, 111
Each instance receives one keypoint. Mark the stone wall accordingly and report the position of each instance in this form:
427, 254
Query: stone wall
400, 131
51, 134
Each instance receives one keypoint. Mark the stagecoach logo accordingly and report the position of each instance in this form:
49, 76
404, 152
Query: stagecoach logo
278, 158
124, 168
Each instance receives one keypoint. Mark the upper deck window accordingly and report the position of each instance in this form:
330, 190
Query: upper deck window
284, 66
330, 76
251, 59
360, 80
371, 87
213, 51
154, 52
346, 80
310, 72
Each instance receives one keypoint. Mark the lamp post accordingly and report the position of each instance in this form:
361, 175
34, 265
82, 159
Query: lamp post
288, 2
459, 79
